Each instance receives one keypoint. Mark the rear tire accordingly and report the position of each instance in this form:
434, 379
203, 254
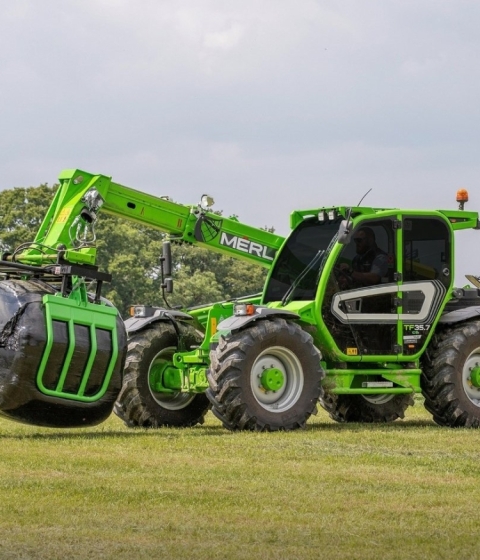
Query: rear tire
138, 405
450, 395
242, 397
366, 408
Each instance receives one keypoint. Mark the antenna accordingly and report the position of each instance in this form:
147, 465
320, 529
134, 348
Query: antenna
349, 215
361, 200
344, 232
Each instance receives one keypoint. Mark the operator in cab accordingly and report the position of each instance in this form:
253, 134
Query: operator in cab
370, 263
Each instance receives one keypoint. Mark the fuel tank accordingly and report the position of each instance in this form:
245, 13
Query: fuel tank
61, 360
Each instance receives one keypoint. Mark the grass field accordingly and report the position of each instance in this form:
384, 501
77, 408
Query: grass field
403, 490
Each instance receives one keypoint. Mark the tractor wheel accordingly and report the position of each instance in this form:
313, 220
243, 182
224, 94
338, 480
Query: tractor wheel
451, 376
265, 378
138, 404
366, 408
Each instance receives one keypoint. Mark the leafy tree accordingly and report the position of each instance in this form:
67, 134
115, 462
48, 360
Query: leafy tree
234, 277
22, 210
129, 252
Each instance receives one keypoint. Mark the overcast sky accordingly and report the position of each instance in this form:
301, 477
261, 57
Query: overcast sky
268, 105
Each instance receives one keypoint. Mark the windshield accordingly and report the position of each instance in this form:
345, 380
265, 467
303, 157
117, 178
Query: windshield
304, 243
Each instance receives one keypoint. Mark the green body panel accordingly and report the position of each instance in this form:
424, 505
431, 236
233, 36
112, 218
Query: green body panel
351, 381
459, 219
475, 376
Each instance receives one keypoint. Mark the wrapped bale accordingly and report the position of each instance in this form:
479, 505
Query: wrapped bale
61, 361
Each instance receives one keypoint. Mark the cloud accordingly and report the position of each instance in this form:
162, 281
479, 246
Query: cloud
316, 100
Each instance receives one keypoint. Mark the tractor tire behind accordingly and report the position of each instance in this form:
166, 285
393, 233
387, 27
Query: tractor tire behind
238, 363
138, 405
367, 409
450, 395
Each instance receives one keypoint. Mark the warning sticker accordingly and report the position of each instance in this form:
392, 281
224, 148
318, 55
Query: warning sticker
63, 216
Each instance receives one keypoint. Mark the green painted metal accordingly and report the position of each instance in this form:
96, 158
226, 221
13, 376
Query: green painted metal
383, 391
225, 235
74, 312
349, 381
458, 219
165, 378
475, 376
272, 379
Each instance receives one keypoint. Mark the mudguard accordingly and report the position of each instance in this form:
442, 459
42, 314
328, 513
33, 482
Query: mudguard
235, 323
135, 324
460, 315
464, 306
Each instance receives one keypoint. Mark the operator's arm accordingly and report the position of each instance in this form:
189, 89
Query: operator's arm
365, 278
377, 271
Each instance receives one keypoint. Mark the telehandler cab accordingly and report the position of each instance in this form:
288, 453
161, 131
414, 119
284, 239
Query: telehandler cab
358, 313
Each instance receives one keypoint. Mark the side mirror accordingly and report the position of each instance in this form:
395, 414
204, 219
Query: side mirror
344, 232
167, 258
168, 285
166, 267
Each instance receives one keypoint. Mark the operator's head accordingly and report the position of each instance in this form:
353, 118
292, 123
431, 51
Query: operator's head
364, 240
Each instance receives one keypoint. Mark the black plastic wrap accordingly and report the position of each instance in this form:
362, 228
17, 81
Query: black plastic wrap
23, 336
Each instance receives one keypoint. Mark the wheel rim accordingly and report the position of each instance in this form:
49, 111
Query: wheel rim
277, 379
471, 365
170, 401
378, 399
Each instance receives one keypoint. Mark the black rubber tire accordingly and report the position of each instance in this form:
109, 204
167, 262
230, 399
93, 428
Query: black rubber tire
356, 408
448, 395
236, 397
136, 405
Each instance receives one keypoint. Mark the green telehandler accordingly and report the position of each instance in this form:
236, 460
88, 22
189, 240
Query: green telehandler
358, 313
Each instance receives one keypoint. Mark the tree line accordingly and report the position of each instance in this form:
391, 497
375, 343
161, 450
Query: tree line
130, 252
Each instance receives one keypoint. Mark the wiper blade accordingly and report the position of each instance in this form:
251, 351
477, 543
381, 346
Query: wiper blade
289, 293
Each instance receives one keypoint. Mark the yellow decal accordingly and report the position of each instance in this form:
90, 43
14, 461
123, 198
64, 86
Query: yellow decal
63, 216
213, 325
352, 351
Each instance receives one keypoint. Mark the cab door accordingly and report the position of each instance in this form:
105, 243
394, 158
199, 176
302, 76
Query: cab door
393, 317
362, 318
426, 277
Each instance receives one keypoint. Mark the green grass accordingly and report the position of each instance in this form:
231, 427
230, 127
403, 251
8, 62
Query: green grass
403, 490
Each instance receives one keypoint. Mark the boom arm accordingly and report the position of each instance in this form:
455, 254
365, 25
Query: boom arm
68, 227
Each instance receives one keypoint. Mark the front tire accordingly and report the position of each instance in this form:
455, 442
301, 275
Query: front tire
265, 378
138, 404
450, 392
366, 408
